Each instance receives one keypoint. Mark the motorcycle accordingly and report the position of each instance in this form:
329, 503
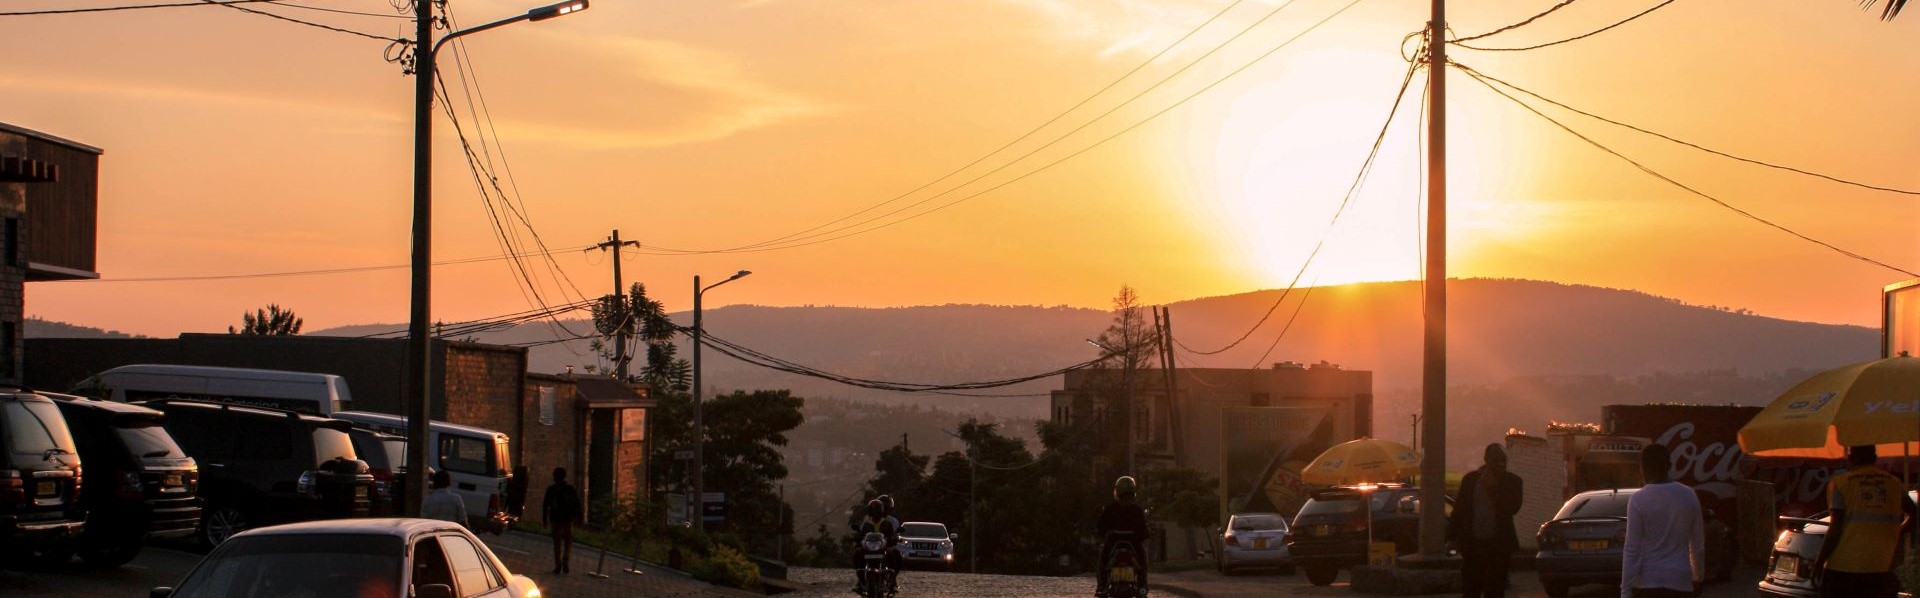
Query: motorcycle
875, 577
1123, 579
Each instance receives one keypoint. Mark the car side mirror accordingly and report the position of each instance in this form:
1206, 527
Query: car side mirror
160, 593
953, 536
437, 590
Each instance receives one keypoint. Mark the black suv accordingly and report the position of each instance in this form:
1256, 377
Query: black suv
386, 457
1330, 533
39, 477
140, 483
265, 466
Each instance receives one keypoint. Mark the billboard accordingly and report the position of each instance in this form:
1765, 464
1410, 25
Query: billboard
1263, 450
1900, 319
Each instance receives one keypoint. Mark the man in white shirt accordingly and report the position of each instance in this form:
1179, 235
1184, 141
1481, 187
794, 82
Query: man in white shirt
443, 503
1666, 551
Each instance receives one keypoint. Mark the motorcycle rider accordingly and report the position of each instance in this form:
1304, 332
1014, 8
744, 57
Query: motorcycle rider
1123, 521
875, 521
895, 556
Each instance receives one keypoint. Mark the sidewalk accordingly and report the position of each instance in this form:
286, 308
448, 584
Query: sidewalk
532, 555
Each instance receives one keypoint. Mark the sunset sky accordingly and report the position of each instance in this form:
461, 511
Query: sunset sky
239, 144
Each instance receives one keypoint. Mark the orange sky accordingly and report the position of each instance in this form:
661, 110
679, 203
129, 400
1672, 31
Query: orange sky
239, 144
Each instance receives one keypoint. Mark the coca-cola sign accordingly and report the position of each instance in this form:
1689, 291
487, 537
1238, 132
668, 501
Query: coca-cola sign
1704, 442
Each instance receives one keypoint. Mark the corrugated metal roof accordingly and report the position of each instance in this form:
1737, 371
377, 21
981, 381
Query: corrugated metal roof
50, 138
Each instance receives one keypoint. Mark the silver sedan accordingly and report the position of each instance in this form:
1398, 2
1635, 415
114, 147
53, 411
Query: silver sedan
1255, 540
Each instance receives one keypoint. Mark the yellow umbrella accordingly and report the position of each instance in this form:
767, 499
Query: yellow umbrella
1363, 461
1876, 402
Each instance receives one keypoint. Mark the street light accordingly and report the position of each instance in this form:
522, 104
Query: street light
699, 421
419, 344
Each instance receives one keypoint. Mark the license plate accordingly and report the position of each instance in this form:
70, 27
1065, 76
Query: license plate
359, 491
874, 556
924, 555
1787, 564
1123, 574
1323, 530
173, 480
1259, 543
1587, 544
46, 490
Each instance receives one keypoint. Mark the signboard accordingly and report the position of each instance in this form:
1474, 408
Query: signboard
1262, 451
677, 509
714, 507
633, 425
1900, 323
683, 455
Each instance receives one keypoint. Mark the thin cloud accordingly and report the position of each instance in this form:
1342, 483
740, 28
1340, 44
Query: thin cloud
146, 92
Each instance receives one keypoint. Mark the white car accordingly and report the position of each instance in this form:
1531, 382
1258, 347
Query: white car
353, 558
926, 544
1255, 540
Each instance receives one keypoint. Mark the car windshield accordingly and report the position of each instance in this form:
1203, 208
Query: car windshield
923, 530
36, 428
396, 450
147, 440
299, 566
330, 444
1263, 521
1331, 506
372, 449
1610, 504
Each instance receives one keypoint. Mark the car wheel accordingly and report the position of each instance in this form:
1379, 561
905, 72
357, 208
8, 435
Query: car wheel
1322, 575
219, 523
1558, 589
111, 552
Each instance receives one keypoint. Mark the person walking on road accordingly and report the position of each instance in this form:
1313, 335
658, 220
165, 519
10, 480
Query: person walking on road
1666, 551
1869, 509
443, 503
558, 511
1482, 525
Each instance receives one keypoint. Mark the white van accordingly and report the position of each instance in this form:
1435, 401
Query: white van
476, 458
304, 392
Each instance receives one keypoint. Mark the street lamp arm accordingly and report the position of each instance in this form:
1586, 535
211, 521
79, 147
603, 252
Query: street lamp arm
538, 14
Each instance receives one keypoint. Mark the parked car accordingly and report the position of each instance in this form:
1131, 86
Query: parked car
263, 466
1789, 569
1331, 530
476, 458
40, 482
143, 484
305, 392
1582, 543
926, 544
364, 558
386, 457
1255, 540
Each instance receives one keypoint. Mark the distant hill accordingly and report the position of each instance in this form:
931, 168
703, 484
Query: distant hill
38, 328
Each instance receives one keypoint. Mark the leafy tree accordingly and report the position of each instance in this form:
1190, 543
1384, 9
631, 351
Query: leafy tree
644, 320
900, 475
271, 321
743, 430
1182, 497
1892, 10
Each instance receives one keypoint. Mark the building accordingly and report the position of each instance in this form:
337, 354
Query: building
1253, 429
595, 427
49, 202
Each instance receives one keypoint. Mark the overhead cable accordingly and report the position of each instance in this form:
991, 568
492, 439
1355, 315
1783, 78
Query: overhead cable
1570, 39
1669, 180
68, 11
1523, 23
235, 6
347, 270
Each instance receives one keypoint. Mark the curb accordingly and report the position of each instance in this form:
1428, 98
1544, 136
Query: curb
1175, 590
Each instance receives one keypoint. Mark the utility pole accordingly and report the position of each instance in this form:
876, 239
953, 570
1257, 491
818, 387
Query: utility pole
1169, 363
1433, 380
419, 343
620, 359
973, 516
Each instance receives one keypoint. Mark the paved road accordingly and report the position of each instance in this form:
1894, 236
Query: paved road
923, 584
1526, 584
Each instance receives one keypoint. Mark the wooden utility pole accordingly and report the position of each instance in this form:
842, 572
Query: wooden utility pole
419, 381
620, 359
1433, 380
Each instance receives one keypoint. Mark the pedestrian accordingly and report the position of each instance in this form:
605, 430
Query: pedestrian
1482, 525
558, 511
1666, 551
443, 503
1869, 507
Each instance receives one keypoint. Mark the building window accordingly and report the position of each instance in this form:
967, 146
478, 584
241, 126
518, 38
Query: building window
546, 405
1261, 399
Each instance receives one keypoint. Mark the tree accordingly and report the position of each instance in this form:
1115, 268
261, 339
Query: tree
271, 321
1182, 497
900, 475
742, 433
1892, 10
645, 321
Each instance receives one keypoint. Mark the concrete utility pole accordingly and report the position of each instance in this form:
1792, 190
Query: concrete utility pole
1433, 381
419, 344
620, 359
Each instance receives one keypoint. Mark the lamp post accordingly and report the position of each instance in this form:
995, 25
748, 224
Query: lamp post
419, 344
699, 422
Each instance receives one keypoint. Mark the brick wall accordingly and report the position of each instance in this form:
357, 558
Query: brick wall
542, 446
1543, 468
12, 285
484, 384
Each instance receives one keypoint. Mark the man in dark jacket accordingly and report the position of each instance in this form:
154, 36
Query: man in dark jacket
559, 511
1122, 521
1482, 525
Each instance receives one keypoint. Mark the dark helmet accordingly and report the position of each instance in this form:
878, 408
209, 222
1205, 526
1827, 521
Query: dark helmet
875, 509
1125, 488
886, 501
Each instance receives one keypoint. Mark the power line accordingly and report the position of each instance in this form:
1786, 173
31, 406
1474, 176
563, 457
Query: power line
816, 240
1024, 136
1359, 178
1669, 180
1697, 146
334, 10
235, 6
347, 270
1570, 39
68, 11
758, 358
1523, 23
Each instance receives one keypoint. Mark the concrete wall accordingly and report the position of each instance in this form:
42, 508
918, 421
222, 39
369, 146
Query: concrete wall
552, 442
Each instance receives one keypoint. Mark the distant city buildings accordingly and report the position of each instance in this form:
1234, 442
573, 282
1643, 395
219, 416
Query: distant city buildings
49, 202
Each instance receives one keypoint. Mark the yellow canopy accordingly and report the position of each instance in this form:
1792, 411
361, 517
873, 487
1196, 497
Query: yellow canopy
1363, 461
1876, 402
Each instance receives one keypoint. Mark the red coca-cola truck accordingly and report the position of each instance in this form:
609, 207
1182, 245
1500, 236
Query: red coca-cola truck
1704, 440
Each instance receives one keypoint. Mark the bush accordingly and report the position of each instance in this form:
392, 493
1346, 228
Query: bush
727, 567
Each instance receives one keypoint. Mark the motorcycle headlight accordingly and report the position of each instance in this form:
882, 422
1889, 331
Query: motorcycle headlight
873, 543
